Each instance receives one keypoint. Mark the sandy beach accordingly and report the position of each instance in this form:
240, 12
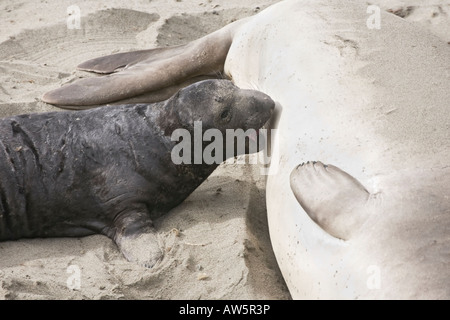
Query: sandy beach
217, 243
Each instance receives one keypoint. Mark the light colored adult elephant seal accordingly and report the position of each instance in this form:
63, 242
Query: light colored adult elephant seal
373, 102
111, 170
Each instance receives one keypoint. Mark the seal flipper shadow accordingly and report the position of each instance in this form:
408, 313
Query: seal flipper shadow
335, 200
146, 71
137, 239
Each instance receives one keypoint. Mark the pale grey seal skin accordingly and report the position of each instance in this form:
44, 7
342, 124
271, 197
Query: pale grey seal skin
109, 170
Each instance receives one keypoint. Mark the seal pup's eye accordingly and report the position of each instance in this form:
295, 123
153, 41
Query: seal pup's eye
225, 114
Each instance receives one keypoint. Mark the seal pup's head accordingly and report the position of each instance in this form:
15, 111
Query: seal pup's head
219, 110
221, 105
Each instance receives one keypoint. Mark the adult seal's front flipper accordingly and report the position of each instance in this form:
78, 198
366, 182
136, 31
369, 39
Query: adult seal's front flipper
335, 200
161, 71
114, 62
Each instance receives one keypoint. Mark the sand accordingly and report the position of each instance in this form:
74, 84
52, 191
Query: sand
217, 243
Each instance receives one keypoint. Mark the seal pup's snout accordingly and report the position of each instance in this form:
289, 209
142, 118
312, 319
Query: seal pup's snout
262, 102
257, 109
258, 102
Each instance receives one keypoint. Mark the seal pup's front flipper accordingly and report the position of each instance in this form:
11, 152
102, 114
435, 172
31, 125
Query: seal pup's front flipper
136, 237
147, 71
335, 200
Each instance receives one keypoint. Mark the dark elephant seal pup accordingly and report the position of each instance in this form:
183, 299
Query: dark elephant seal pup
109, 170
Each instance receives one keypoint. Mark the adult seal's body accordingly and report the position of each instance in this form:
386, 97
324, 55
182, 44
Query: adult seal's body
109, 170
371, 101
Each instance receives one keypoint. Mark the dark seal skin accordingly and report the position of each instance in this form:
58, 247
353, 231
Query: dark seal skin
109, 170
